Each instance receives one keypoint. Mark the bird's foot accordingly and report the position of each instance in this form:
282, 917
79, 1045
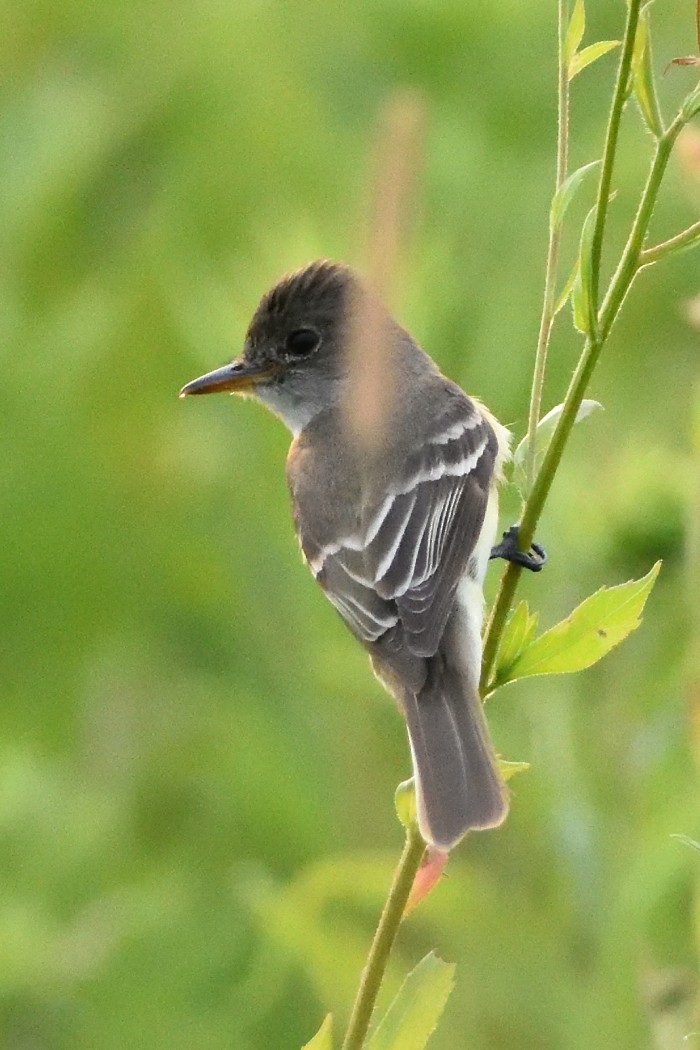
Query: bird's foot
508, 549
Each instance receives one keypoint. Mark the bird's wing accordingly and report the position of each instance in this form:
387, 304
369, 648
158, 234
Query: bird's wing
403, 564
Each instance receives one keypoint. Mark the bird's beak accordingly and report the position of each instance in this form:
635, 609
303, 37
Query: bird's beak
239, 375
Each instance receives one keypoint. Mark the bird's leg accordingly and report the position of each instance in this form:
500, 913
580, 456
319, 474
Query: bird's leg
508, 549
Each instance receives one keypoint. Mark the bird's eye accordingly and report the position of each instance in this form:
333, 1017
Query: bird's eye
302, 342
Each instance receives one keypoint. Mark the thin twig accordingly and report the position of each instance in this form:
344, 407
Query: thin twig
384, 938
367, 410
628, 267
620, 284
589, 356
687, 239
629, 264
619, 97
550, 279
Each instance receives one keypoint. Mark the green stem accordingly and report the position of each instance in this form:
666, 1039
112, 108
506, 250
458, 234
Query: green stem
619, 286
630, 260
384, 938
533, 508
630, 263
687, 239
611, 136
497, 621
547, 317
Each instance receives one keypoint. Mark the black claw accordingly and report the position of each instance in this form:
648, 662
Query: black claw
509, 550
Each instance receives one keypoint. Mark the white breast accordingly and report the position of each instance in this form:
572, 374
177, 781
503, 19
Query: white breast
470, 593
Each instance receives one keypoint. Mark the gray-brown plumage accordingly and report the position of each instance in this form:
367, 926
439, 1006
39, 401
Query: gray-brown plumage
398, 537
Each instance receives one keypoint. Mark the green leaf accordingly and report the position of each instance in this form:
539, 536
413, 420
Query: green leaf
323, 1040
517, 634
574, 32
416, 1010
565, 194
589, 54
509, 769
599, 624
691, 105
687, 841
643, 78
689, 238
405, 803
582, 301
543, 435
566, 290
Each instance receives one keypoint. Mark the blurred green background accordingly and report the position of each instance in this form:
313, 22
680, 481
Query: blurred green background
196, 766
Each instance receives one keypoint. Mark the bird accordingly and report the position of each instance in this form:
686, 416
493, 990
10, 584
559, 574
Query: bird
398, 532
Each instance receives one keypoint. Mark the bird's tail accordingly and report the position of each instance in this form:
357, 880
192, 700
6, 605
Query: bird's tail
458, 784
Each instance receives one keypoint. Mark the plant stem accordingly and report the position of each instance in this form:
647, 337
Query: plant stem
534, 505
631, 261
620, 284
687, 239
497, 621
629, 264
547, 317
384, 938
587, 362
618, 102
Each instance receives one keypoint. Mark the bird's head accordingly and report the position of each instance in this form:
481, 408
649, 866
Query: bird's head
293, 356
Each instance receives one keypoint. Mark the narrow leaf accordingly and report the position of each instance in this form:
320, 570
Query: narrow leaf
582, 301
589, 54
323, 1040
643, 78
565, 194
543, 435
574, 32
687, 841
691, 105
405, 802
416, 1010
566, 290
509, 769
599, 624
517, 634
689, 238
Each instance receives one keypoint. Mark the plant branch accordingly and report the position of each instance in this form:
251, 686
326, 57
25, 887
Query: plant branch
620, 284
547, 317
630, 260
687, 239
384, 938
611, 136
